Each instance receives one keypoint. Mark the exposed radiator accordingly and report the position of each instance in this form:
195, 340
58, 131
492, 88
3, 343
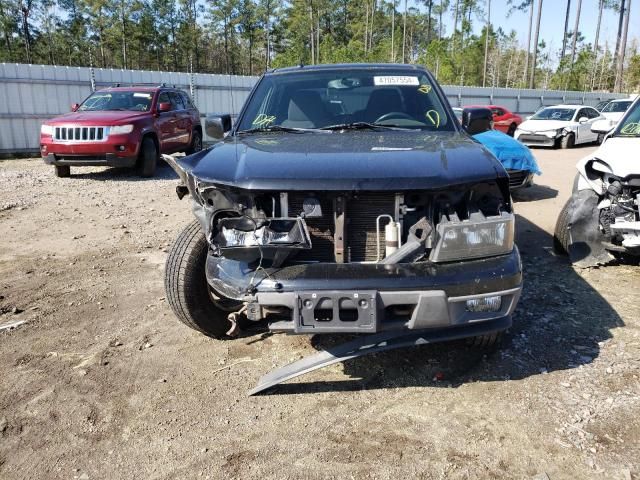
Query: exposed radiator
362, 209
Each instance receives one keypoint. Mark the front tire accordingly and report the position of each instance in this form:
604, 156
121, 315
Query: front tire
186, 285
148, 159
568, 141
62, 171
561, 232
512, 129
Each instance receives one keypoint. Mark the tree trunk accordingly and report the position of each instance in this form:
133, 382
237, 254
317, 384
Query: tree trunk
25, 10
575, 34
623, 49
595, 45
124, 35
393, 31
619, 35
486, 43
429, 8
440, 20
455, 26
526, 58
404, 30
532, 77
566, 28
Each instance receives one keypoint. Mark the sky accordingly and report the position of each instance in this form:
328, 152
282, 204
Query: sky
552, 24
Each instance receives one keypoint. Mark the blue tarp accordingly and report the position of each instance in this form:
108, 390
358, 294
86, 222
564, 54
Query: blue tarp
511, 153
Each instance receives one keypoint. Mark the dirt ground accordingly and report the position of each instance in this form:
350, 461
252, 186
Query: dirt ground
102, 382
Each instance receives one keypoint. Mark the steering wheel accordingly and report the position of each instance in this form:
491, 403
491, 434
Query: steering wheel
390, 115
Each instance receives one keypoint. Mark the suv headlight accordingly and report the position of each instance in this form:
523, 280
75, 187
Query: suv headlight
120, 129
474, 238
46, 129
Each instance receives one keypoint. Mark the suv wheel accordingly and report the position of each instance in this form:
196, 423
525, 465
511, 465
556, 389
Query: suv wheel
512, 129
186, 286
148, 157
62, 170
196, 143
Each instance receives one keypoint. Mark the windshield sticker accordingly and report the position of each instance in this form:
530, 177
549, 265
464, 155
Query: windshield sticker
395, 80
434, 117
142, 95
263, 120
424, 88
631, 129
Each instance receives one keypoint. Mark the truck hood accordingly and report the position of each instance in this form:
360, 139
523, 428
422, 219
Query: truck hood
618, 154
345, 161
543, 125
98, 118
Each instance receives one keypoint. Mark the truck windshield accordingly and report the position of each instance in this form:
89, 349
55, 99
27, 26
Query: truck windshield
316, 99
130, 100
616, 107
630, 125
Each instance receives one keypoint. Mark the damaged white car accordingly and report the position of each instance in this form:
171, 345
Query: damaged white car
601, 218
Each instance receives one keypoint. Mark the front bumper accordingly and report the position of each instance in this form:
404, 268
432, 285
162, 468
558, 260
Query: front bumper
406, 296
105, 159
536, 140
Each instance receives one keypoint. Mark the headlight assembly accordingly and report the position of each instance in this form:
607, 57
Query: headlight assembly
474, 238
243, 232
120, 129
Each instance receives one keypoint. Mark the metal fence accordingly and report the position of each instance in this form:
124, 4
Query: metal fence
30, 94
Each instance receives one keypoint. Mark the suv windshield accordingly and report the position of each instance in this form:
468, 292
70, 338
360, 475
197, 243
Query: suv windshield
617, 107
630, 126
564, 114
316, 99
130, 100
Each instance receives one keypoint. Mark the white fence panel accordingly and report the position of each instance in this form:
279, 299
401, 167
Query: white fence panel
30, 94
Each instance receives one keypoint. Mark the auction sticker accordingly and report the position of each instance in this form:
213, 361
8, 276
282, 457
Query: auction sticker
396, 80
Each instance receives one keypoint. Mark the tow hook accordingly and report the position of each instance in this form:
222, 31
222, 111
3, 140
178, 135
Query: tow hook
233, 317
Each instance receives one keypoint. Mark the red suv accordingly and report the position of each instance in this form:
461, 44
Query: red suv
123, 127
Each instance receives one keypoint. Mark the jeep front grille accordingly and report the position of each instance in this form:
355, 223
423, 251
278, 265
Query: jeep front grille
72, 133
361, 211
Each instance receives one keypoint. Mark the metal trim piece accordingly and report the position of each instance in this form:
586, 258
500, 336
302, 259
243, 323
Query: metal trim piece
380, 342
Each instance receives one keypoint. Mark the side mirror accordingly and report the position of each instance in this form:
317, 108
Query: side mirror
583, 120
217, 125
476, 120
602, 126
164, 107
75, 107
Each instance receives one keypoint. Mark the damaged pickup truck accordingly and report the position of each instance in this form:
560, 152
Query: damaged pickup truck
601, 219
346, 199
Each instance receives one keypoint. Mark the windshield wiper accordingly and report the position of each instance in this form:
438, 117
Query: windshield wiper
278, 128
362, 126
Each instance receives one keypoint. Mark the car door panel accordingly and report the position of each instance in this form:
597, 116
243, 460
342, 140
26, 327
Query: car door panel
166, 122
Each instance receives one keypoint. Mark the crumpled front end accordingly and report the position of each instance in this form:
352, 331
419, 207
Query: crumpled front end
603, 215
360, 261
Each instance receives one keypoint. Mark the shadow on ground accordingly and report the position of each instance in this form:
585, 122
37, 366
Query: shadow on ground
533, 193
558, 325
163, 172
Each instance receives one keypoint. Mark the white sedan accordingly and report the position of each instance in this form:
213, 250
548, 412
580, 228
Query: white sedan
560, 125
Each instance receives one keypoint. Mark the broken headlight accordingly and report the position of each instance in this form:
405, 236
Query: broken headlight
474, 238
274, 232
